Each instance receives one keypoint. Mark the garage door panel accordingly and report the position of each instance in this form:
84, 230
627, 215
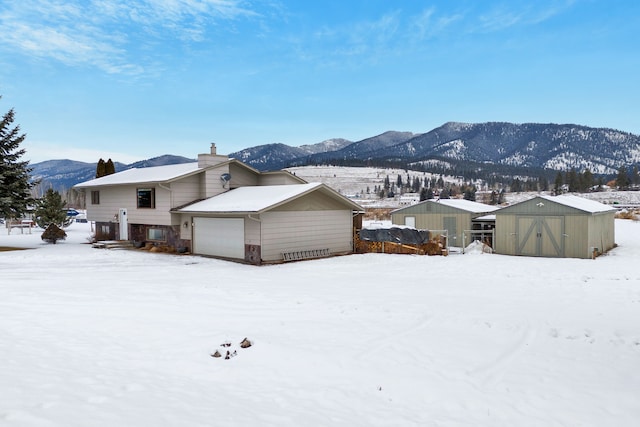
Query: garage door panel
222, 237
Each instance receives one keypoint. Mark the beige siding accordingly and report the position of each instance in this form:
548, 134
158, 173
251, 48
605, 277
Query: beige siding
242, 177
292, 231
280, 178
213, 183
186, 190
185, 232
602, 232
111, 199
576, 235
505, 235
313, 201
252, 228
114, 198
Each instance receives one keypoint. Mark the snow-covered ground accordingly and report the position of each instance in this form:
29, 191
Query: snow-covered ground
95, 337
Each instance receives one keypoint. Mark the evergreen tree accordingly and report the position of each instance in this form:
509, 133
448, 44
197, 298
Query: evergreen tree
109, 167
586, 181
516, 185
416, 184
50, 210
14, 173
572, 180
101, 169
622, 179
543, 183
635, 176
557, 184
53, 233
470, 193
493, 199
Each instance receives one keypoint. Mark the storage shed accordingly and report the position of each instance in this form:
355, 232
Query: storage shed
453, 215
555, 226
267, 224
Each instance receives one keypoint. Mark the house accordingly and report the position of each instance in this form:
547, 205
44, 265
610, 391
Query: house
453, 215
555, 226
222, 207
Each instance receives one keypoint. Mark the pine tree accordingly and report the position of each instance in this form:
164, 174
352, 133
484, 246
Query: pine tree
557, 184
50, 210
109, 167
101, 169
470, 193
14, 173
53, 233
543, 183
572, 180
635, 176
622, 179
586, 181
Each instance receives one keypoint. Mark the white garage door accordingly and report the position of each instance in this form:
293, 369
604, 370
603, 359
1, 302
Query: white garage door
222, 237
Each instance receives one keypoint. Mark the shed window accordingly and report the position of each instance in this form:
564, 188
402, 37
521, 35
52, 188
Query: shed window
147, 198
95, 197
156, 234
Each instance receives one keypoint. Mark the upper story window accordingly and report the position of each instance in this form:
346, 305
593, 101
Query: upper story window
146, 198
95, 197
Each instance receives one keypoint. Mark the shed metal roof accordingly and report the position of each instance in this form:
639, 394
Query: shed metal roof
579, 203
461, 204
570, 201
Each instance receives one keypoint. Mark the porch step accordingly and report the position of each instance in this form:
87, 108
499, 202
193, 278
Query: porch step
113, 244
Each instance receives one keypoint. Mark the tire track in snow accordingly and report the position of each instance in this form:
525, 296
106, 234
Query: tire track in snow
489, 374
378, 344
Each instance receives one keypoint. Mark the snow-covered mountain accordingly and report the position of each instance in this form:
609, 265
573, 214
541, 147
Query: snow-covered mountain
529, 145
494, 145
278, 156
461, 149
64, 174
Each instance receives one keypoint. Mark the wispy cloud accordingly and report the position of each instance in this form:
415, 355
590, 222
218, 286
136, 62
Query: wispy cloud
514, 14
428, 24
102, 33
359, 38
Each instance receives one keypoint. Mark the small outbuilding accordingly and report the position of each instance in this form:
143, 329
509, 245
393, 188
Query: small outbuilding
454, 215
565, 226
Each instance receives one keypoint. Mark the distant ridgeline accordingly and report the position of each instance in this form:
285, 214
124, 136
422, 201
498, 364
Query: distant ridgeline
61, 175
489, 151
493, 152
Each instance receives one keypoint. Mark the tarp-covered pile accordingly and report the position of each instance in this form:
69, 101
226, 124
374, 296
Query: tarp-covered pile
405, 236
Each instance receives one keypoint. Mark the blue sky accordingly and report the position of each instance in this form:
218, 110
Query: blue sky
132, 80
